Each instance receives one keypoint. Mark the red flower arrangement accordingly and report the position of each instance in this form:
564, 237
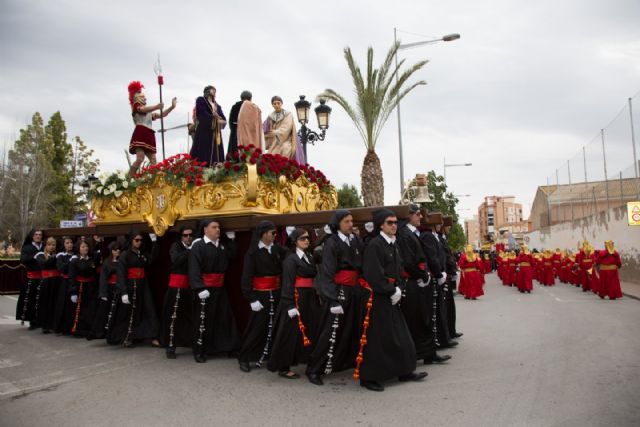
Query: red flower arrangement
272, 166
175, 168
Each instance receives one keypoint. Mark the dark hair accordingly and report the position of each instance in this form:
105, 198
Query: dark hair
29, 237
113, 246
276, 98
246, 95
79, 243
182, 230
204, 224
205, 92
296, 234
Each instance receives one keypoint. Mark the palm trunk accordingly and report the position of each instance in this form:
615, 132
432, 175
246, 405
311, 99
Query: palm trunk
371, 181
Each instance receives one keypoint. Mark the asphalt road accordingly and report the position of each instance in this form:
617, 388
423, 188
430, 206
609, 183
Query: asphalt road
557, 357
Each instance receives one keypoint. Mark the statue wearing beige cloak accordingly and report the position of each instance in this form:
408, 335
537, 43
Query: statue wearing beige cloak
281, 136
250, 125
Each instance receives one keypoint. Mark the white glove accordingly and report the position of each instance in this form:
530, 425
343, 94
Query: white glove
293, 313
395, 298
368, 226
74, 298
231, 234
256, 306
422, 283
203, 294
289, 229
125, 299
153, 237
336, 310
103, 298
442, 279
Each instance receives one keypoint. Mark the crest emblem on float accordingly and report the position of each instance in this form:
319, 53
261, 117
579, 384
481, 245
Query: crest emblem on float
160, 202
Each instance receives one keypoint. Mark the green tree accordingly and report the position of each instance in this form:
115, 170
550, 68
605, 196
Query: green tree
83, 164
61, 203
376, 98
348, 197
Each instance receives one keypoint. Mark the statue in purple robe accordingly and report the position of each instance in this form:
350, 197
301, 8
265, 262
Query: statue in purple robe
210, 120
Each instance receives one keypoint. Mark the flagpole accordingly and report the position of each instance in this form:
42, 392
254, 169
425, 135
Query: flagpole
158, 71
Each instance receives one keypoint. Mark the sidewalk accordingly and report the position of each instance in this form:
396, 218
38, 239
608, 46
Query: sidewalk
631, 290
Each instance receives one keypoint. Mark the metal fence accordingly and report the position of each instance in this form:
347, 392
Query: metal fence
603, 174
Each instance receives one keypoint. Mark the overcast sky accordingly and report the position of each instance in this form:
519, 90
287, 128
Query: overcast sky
527, 85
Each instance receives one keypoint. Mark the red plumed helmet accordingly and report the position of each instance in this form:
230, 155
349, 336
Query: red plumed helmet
133, 88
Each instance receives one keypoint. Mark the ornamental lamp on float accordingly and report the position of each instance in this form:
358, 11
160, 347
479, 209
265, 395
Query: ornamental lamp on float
323, 112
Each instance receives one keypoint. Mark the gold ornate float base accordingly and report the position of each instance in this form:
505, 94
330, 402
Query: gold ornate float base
161, 204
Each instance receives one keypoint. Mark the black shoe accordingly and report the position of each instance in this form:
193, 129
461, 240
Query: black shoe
315, 379
458, 334
200, 358
171, 353
128, 344
371, 385
32, 327
244, 366
450, 344
233, 354
46, 331
440, 359
414, 376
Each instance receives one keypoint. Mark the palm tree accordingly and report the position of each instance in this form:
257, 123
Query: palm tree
376, 98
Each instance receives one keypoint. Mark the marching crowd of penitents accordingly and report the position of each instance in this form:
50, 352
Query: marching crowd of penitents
590, 269
376, 305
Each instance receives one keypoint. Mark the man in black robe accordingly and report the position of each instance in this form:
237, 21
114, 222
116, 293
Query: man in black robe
233, 122
388, 350
452, 274
337, 343
436, 262
177, 317
261, 288
417, 304
215, 326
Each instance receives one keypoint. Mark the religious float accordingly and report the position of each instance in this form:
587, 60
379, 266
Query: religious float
248, 183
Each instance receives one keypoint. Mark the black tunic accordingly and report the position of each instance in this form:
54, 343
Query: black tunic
137, 320
25, 308
390, 351
258, 336
48, 292
450, 286
233, 126
108, 298
63, 317
417, 303
339, 335
213, 315
436, 262
87, 293
177, 308
288, 345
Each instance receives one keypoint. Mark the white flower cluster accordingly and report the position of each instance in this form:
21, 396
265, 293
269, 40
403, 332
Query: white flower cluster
118, 183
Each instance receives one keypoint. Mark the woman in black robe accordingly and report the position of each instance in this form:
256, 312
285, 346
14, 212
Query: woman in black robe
64, 307
299, 309
48, 285
135, 318
84, 291
386, 347
215, 329
107, 292
261, 288
177, 318
25, 308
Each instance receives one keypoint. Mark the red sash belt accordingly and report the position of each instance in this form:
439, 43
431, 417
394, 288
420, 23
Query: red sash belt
84, 279
50, 273
215, 280
304, 282
36, 274
65, 276
178, 281
405, 275
135, 273
113, 279
346, 277
266, 283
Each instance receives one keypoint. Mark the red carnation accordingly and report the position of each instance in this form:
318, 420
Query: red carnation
227, 165
189, 178
262, 170
236, 168
198, 182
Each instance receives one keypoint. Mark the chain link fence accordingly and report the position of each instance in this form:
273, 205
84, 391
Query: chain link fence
604, 174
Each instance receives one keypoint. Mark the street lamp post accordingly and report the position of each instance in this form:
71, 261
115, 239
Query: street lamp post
323, 112
446, 38
452, 165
